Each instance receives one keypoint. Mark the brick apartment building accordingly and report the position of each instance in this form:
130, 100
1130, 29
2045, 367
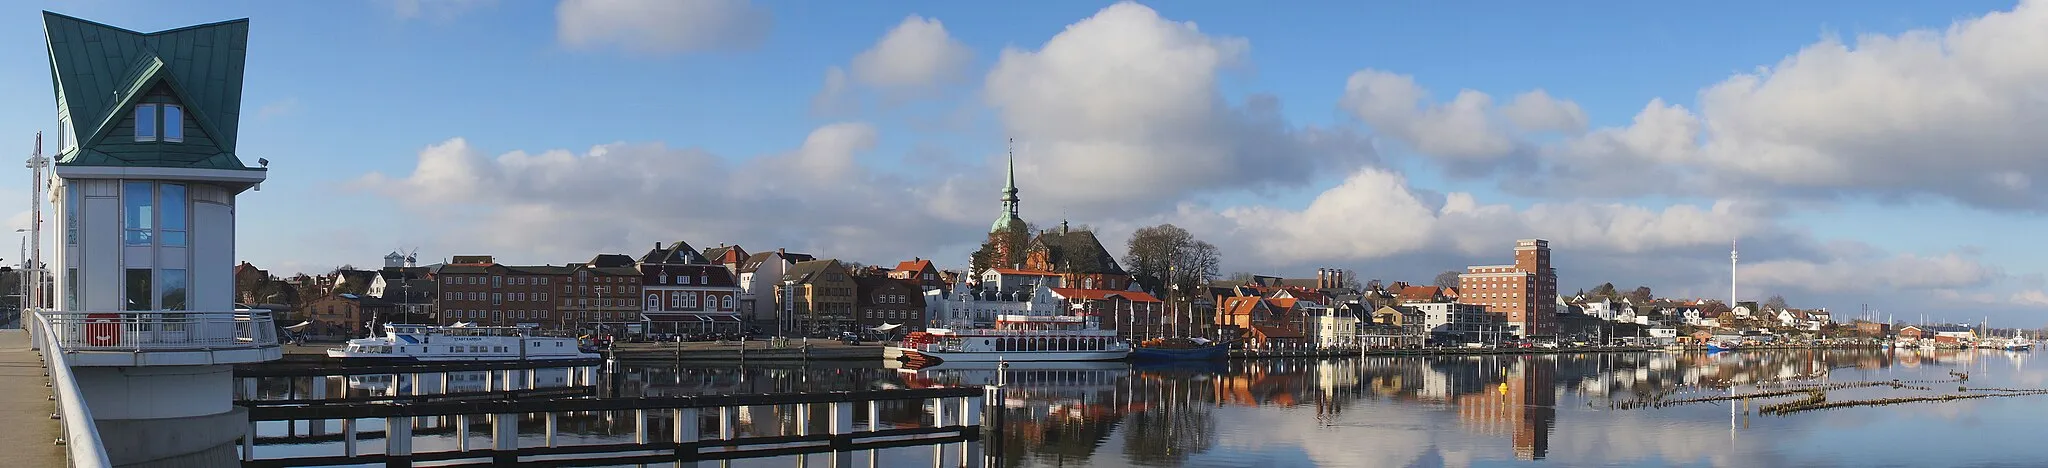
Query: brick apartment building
476, 289
1525, 292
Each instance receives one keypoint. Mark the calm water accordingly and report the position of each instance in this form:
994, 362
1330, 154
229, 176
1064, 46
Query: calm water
1548, 410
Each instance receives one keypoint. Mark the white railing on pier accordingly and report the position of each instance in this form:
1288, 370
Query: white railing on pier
81, 435
160, 330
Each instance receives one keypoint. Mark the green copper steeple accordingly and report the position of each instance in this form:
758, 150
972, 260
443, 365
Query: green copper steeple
1009, 221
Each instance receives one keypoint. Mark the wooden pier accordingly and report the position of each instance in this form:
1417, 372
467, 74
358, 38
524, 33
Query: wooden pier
666, 429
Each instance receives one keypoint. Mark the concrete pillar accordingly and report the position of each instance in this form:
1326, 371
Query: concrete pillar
552, 429
938, 412
505, 438
249, 443
398, 440
248, 389
970, 411
317, 388
348, 437
532, 378
874, 415
803, 419
842, 418
687, 425
640, 427
461, 432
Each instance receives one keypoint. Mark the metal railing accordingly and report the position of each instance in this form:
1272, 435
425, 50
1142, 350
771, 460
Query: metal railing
81, 436
160, 330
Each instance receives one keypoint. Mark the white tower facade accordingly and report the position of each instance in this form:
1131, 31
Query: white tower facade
145, 185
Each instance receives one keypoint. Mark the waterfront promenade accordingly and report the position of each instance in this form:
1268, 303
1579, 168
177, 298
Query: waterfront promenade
25, 425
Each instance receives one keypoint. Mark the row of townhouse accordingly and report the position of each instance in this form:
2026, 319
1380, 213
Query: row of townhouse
672, 288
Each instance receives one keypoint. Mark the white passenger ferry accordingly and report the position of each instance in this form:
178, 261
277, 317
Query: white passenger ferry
459, 342
1017, 338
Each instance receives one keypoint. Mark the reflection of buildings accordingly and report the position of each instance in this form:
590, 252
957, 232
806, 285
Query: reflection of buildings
1523, 404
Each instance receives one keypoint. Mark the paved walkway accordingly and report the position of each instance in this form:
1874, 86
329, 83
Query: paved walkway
27, 434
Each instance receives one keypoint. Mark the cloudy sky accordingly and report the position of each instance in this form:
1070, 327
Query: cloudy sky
1878, 153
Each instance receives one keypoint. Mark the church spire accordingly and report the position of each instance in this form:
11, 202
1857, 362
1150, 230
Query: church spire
1008, 220
1010, 182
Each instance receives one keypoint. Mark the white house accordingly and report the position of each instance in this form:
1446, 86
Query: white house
1604, 309
1010, 279
757, 278
1334, 326
963, 307
1462, 322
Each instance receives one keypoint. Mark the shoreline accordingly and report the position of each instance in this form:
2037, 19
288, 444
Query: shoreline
834, 351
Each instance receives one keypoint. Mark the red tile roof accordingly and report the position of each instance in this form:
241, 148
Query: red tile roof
915, 265
1421, 293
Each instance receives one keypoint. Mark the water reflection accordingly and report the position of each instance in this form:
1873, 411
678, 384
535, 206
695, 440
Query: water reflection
1375, 411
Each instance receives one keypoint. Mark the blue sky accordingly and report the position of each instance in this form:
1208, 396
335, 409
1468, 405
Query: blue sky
1286, 136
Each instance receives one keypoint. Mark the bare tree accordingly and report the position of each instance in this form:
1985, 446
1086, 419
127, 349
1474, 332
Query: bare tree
1641, 295
1003, 249
1776, 302
1165, 256
1447, 279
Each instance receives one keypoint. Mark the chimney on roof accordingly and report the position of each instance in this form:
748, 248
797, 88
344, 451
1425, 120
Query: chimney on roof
657, 245
781, 251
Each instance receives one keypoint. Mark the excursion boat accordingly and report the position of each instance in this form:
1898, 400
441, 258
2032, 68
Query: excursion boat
1180, 349
459, 342
1016, 338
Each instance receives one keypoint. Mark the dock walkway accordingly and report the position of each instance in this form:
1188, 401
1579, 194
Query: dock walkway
25, 425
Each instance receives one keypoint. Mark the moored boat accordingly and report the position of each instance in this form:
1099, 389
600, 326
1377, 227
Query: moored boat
460, 342
1180, 349
1017, 338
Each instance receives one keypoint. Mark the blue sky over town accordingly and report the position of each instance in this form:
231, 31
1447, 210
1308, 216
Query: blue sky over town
1879, 153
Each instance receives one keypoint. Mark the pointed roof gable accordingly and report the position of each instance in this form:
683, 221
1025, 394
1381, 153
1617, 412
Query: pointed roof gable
678, 253
1076, 252
99, 72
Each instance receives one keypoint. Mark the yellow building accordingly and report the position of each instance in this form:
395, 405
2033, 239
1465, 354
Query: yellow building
817, 297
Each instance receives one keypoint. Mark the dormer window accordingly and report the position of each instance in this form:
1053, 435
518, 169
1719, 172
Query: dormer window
159, 122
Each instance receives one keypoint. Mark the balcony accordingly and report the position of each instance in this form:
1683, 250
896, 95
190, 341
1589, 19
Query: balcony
163, 338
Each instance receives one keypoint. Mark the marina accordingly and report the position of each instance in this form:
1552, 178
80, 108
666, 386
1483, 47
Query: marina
1529, 409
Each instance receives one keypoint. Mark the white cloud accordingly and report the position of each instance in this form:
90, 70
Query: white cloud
1953, 113
1536, 110
434, 9
2031, 297
278, 108
1899, 272
1463, 129
916, 53
661, 26
817, 197
1374, 214
835, 98
1121, 113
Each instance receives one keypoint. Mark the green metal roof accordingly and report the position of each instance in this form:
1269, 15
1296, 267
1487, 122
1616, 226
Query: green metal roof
100, 71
